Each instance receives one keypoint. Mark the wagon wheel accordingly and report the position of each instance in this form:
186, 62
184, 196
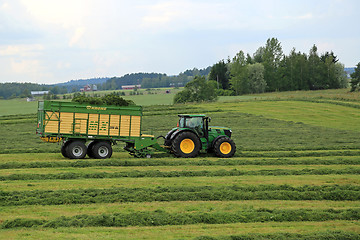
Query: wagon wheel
102, 150
76, 150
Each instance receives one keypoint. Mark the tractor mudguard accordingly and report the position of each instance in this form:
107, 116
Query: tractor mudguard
168, 137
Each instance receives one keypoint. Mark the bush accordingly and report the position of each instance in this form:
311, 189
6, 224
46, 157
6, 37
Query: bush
197, 90
109, 99
223, 92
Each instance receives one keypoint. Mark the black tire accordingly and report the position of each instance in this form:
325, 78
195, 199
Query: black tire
89, 149
63, 149
186, 144
224, 147
167, 138
76, 150
102, 150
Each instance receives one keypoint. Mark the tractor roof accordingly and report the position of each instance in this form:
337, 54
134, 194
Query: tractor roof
192, 115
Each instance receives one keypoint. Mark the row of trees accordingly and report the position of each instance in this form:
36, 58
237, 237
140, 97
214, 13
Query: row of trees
147, 80
153, 80
269, 69
23, 90
13, 90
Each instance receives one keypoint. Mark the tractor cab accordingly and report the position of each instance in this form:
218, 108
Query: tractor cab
197, 122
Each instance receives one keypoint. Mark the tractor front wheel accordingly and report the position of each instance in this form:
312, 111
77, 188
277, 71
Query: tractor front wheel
224, 147
186, 144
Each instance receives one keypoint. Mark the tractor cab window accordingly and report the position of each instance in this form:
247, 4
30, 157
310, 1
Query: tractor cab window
194, 122
181, 122
191, 122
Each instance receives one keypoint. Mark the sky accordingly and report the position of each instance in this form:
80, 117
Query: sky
53, 41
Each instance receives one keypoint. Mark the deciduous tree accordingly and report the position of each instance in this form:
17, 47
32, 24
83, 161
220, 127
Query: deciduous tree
271, 60
197, 90
219, 72
255, 74
355, 81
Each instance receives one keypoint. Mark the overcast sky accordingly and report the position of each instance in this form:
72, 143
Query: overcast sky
52, 41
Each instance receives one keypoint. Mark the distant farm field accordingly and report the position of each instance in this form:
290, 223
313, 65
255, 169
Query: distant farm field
295, 175
17, 106
160, 97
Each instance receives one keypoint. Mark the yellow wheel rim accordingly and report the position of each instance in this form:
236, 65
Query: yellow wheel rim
187, 146
225, 148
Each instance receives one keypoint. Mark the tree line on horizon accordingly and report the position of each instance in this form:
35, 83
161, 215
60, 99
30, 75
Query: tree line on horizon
154, 80
147, 80
266, 70
270, 70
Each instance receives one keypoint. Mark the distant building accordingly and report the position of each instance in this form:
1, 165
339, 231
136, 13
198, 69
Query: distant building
39, 93
127, 87
36, 93
88, 88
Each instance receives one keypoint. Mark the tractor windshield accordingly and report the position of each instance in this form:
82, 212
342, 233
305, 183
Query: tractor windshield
191, 122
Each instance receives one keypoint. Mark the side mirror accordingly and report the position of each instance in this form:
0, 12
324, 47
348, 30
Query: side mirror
209, 119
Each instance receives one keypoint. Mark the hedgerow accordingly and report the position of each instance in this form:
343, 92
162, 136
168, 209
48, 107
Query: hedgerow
155, 173
196, 193
161, 218
180, 162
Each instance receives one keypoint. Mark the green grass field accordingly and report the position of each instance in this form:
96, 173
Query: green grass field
295, 175
159, 97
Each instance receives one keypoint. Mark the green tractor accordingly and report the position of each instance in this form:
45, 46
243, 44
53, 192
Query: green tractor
193, 134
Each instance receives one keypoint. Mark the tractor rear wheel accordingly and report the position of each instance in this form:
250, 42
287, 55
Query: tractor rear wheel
102, 150
224, 147
186, 144
76, 149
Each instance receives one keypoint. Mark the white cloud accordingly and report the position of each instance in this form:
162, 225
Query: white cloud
65, 13
4, 6
69, 39
63, 65
23, 70
22, 50
306, 16
78, 34
25, 66
179, 15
